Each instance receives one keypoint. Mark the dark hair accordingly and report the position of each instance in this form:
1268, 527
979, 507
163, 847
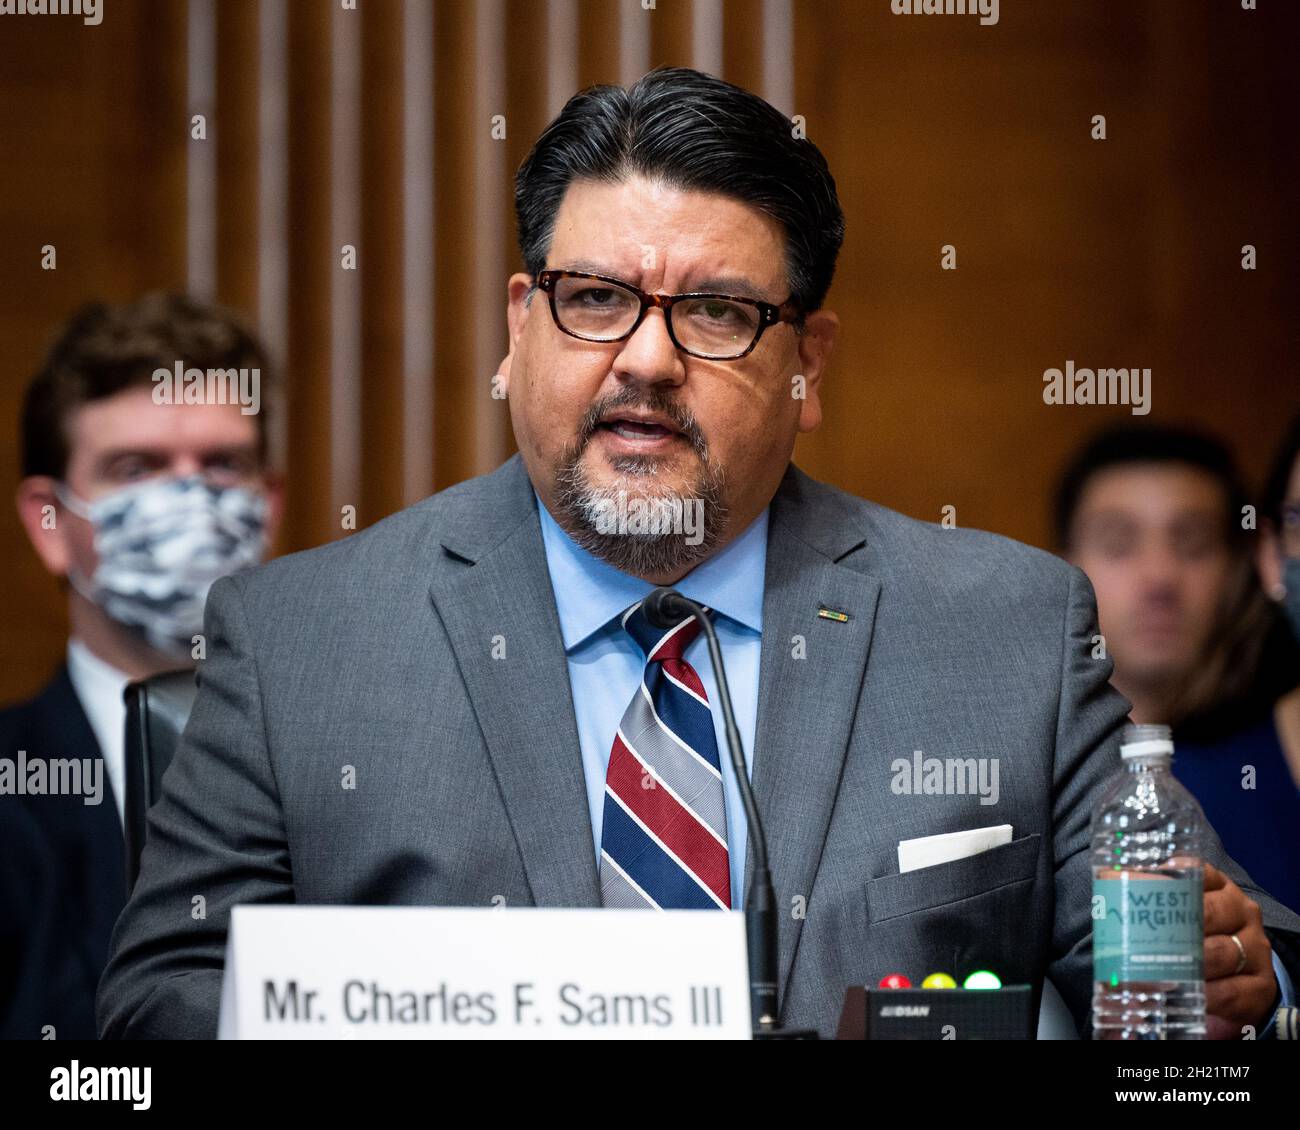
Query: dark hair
104, 349
1134, 444
1279, 475
696, 132
1250, 658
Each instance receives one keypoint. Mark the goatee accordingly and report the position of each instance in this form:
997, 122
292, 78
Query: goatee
662, 541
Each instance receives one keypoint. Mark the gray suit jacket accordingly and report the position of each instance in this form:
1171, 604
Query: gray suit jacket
376, 653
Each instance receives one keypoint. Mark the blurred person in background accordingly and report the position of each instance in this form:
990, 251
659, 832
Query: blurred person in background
1157, 518
137, 499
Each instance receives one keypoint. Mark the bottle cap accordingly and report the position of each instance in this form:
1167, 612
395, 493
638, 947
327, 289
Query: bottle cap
1146, 740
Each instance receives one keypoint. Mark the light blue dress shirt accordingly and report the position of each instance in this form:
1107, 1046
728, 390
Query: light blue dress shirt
606, 665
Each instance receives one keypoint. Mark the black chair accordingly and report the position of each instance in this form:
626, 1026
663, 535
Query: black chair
156, 712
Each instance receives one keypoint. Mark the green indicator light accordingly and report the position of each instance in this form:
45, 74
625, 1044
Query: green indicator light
982, 979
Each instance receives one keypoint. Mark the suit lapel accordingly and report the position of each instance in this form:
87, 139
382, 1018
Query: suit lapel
811, 674
497, 584
498, 609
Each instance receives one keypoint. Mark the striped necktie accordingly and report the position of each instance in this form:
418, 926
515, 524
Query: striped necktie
663, 842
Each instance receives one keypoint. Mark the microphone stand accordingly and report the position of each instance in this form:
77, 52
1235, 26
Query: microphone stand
665, 608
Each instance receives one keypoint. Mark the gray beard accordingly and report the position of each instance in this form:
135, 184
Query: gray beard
583, 507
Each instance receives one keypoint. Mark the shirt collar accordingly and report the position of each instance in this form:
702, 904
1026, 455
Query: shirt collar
590, 592
94, 675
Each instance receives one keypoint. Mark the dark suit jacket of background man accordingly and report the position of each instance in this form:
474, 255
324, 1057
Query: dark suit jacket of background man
62, 877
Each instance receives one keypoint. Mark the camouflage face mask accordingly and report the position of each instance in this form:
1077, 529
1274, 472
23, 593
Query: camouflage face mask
161, 545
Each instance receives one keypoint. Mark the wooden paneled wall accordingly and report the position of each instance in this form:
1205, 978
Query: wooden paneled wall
373, 128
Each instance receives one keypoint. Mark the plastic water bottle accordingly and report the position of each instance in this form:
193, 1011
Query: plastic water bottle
1148, 883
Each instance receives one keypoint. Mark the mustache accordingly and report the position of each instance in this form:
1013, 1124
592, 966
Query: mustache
681, 417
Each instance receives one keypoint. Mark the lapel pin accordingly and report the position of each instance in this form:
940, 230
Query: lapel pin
832, 614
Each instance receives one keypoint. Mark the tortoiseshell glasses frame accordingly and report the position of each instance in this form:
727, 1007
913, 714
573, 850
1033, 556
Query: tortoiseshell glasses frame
764, 314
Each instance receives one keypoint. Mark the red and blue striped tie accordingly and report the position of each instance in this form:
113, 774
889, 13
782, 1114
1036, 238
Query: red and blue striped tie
663, 843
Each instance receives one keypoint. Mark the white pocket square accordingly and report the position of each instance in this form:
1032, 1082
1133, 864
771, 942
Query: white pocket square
929, 850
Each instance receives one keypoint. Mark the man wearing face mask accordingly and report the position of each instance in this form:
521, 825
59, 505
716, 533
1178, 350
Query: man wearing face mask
139, 503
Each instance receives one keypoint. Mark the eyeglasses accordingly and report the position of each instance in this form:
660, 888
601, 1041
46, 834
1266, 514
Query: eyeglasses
714, 327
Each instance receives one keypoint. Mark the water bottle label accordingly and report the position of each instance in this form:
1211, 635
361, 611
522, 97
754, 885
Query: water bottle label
1148, 929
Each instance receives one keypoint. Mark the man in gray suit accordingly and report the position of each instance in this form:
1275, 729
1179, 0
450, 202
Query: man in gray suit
448, 708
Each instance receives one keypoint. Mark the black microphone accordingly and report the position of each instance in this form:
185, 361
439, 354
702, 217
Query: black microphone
666, 608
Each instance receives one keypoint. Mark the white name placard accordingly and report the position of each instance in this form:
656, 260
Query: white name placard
318, 972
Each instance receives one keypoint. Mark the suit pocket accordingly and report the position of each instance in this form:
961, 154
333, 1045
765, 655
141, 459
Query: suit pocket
891, 896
